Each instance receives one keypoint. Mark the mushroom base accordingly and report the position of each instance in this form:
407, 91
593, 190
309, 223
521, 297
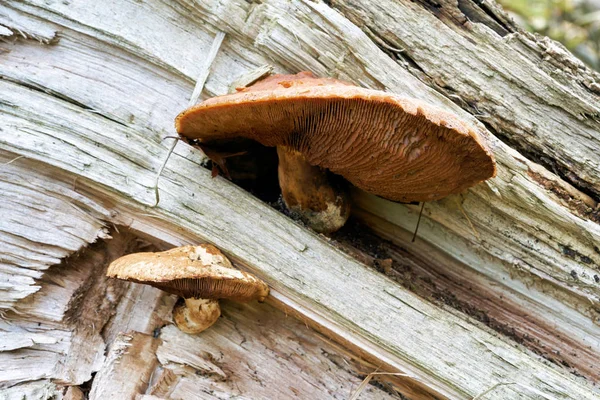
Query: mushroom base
309, 193
196, 315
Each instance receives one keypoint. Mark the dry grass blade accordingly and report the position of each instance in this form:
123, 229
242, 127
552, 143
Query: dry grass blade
13, 160
368, 378
464, 213
214, 49
480, 395
418, 222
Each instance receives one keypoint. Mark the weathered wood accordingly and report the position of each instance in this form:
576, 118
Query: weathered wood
255, 351
25, 254
127, 369
32, 390
527, 236
131, 363
56, 333
382, 312
493, 292
525, 87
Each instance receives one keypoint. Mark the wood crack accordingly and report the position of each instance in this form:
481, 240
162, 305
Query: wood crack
498, 20
63, 97
516, 264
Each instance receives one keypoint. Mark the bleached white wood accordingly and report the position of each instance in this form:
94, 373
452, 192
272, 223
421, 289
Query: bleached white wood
255, 353
32, 390
56, 333
141, 309
31, 242
525, 239
127, 369
17, 25
430, 336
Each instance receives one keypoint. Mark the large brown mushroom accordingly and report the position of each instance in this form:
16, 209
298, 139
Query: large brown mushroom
395, 147
199, 274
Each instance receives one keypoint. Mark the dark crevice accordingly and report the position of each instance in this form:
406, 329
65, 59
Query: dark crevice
426, 278
445, 11
432, 6
498, 14
587, 115
86, 387
459, 12
476, 12
248, 164
577, 205
386, 387
551, 164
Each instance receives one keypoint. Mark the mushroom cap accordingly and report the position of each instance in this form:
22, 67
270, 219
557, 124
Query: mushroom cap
200, 271
398, 148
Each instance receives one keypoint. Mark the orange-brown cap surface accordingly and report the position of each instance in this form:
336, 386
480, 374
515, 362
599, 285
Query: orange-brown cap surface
200, 271
399, 148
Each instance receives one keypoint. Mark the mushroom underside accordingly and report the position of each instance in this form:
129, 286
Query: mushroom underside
402, 155
211, 288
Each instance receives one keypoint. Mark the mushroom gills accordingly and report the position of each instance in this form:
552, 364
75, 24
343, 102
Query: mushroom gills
395, 147
199, 274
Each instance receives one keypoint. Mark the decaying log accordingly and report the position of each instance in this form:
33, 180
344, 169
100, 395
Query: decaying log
128, 367
250, 349
87, 96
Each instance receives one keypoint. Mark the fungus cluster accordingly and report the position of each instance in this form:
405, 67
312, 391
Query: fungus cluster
200, 274
395, 147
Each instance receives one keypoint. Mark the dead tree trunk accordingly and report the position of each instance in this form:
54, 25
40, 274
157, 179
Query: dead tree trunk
499, 297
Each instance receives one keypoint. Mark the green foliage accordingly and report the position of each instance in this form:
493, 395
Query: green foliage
575, 23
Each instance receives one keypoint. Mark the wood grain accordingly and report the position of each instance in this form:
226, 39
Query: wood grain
83, 113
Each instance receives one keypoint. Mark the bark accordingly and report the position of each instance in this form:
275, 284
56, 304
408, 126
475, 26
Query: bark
86, 97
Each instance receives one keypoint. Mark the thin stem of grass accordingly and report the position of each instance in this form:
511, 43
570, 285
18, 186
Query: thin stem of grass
204, 71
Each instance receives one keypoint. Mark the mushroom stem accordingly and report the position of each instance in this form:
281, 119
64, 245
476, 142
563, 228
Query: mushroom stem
195, 315
309, 193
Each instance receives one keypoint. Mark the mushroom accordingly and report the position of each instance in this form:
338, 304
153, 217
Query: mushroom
310, 193
199, 274
398, 148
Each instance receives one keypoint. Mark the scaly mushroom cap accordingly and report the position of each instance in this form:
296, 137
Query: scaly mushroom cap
190, 272
398, 148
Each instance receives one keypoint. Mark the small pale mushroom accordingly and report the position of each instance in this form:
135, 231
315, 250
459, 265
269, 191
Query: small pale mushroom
200, 274
399, 148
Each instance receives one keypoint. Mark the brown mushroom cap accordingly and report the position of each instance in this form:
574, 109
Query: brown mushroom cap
399, 148
200, 271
